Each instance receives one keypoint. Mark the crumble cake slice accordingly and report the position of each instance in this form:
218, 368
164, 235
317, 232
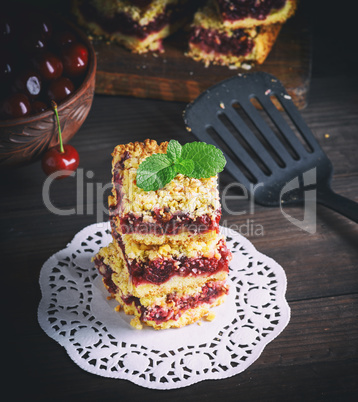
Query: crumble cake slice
170, 305
212, 42
182, 209
250, 13
157, 264
176, 311
139, 25
113, 267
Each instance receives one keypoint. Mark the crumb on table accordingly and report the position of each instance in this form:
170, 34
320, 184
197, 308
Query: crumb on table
210, 316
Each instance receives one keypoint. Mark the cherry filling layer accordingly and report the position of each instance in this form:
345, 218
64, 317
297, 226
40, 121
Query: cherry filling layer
209, 40
106, 271
161, 270
233, 10
123, 23
209, 293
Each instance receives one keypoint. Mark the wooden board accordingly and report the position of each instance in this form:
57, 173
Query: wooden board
175, 77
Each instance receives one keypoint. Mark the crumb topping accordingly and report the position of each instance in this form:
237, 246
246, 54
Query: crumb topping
141, 15
188, 195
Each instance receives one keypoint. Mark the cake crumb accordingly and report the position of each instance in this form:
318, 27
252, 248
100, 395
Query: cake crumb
246, 66
326, 136
135, 322
210, 316
199, 323
110, 297
117, 308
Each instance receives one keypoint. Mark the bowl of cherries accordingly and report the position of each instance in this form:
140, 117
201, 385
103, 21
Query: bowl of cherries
44, 59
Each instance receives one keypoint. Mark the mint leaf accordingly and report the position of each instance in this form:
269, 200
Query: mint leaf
195, 159
185, 167
208, 160
155, 172
174, 150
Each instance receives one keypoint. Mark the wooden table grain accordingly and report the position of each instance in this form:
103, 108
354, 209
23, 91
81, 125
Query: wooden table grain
315, 358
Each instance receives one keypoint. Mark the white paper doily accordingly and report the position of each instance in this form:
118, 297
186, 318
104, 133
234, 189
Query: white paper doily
75, 312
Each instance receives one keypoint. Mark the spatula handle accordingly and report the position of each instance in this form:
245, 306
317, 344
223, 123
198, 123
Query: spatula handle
338, 203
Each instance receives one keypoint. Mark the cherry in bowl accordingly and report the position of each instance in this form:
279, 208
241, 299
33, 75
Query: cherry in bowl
14, 106
38, 106
28, 83
48, 65
75, 59
64, 38
59, 89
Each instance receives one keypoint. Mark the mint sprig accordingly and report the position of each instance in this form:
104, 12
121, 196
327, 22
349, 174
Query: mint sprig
194, 159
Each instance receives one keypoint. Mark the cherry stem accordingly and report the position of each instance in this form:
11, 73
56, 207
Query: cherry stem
54, 106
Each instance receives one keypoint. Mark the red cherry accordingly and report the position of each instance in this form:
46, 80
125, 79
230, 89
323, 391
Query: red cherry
37, 23
33, 43
54, 160
7, 66
75, 59
6, 29
61, 157
45, 27
6, 71
48, 65
29, 83
16, 105
64, 38
59, 89
38, 107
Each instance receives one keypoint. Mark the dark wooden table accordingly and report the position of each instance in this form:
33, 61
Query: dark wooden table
314, 358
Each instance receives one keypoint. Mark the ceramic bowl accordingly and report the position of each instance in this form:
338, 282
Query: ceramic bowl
25, 140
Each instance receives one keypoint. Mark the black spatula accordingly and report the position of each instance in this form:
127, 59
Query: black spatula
270, 148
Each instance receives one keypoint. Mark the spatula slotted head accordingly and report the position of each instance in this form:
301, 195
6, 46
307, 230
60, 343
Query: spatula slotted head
265, 147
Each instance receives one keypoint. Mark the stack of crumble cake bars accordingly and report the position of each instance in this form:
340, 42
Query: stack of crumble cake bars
168, 263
